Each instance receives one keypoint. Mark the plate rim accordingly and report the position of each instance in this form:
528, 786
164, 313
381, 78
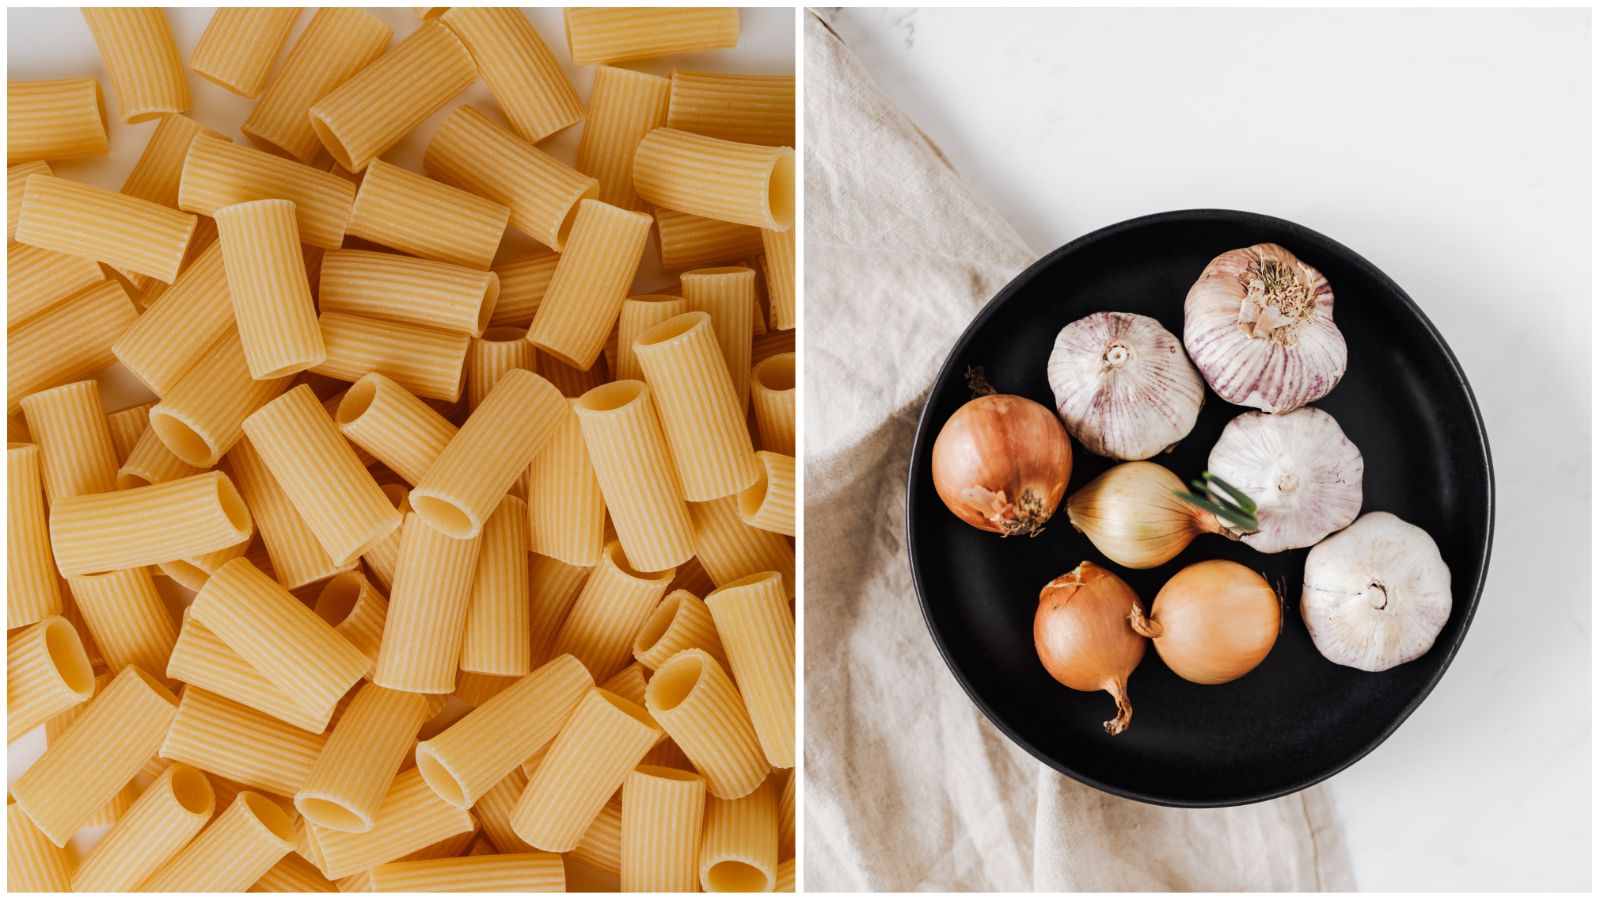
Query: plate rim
922, 437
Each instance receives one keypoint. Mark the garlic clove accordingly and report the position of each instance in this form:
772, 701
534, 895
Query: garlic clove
1376, 594
1299, 468
1258, 324
1123, 386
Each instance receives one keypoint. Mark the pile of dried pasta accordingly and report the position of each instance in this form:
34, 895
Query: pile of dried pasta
492, 557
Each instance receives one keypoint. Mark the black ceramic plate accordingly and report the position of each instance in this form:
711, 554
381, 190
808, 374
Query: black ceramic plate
1297, 718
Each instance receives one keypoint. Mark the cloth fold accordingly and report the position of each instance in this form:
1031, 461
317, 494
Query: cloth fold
908, 786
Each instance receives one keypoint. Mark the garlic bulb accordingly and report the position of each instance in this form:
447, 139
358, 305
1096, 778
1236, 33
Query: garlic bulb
1376, 595
1299, 468
1123, 386
1259, 325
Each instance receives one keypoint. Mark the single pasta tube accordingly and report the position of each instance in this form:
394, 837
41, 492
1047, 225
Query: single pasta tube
662, 812
33, 862
594, 752
175, 331
351, 776
174, 520
779, 263
553, 589
239, 44
728, 296
33, 590
355, 609
127, 426
493, 811
598, 34
472, 153
69, 341
496, 640
523, 282
387, 421
566, 511
405, 289
338, 499
681, 621
367, 115
55, 119
498, 350
786, 817
236, 742
525, 872
157, 174
614, 604
219, 173
294, 874
757, 628
338, 42
267, 281
624, 106
16, 179
47, 672
382, 557
772, 399
127, 618
230, 854
739, 846
481, 749
769, 503
700, 414
415, 214
201, 659
167, 814
141, 59
410, 819
68, 424
752, 109
425, 361
641, 487
298, 558
71, 217
591, 280
97, 755
483, 460
475, 690
638, 315
38, 279
745, 183
427, 610
203, 416
150, 462
687, 241
527, 82
730, 550
697, 704
628, 682
600, 849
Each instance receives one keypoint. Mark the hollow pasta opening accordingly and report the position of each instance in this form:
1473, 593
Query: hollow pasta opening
67, 656
655, 628
398, 495
126, 480
331, 814
439, 778
338, 598
672, 328
332, 142
505, 333
675, 680
181, 438
751, 499
735, 876
491, 295
776, 373
670, 773
628, 707
752, 579
154, 684
564, 230
270, 814
185, 573
780, 191
442, 515
191, 789
618, 559
357, 400
233, 506
611, 396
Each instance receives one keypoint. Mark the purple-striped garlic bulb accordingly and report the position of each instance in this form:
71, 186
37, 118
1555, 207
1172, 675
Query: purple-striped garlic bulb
1302, 472
1259, 325
1123, 386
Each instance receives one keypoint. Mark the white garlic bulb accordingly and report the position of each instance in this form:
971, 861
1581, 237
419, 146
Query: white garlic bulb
1259, 325
1123, 386
1376, 595
1302, 472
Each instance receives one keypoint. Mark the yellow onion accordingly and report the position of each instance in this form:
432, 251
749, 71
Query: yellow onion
1212, 622
1132, 514
1083, 637
1001, 462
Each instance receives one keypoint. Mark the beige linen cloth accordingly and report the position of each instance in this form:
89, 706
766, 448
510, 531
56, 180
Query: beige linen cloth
908, 786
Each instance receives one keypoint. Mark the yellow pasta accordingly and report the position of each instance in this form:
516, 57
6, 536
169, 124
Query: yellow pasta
614, 604
351, 776
772, 399
37, 279
239, 44
150, 461
75, 452
294, 874
427, 610
728, 296
69, 341
278, 636
700, 414
731, 550
355, 609
141, 60
523, 282
496, 640
74, 218
267, 280
167, 814
483, 460
697, 704
201, 659
336, 44
535, 94
102, 749
590, 282
752, 109
410, 212
55, 119
757, 628
628, 682
33, 862
410, 819
33, 590
779, 263
387, 421
218, 173
127, 426
600, 34
687, 241
231, 853
624, 106
474, 154
338, 499
596, 749
493, 811
425, 361
553, 589
662, 811
16, 180
298, 558
784, 882
571, 381
769, 503
692, 577
365, 116
240, 743
139, 526
47, 672
600, 848
786, 818
127, 618
525, 872
171, 336
739, 849
405, 289
157, 174
745, 183
202, 417
641, 487
467, 760
639, 314
498, 350
474, 690
381, 557
566, 512
681, 621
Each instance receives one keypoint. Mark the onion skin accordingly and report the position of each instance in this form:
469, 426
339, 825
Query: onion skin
1212, 622
1131, 514
1082, 635
1001, 463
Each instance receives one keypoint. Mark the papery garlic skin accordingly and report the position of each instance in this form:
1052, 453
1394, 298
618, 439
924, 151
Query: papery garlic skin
1259, 326
1123, 385
1299, 468
1376, 595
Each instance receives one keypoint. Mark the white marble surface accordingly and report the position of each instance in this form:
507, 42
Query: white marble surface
1452, 149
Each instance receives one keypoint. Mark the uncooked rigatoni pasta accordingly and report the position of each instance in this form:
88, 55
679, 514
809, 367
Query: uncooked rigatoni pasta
681, 621
141, 60
240, 743
757, 630
641, 487
177, 329
70, 340
772, 400
166, 815
427, 609
351, 776
36, 279
439, 295
127, 426
16, 178
266, 274
591, 280
47, 672
695, 701
687, 241
201, 659
612, 34
739, 847
769, 503
218, 173
662, 813
496, 351
528, 83
410, 819
294, 874
127, 618
730, 549
232, 852
531, 871
752, 109
750, 184
553, 588
54, 119
239, 44
566, 510
353, 606
728, 296
116, 530
624, 106
496, 639
779, 263
426, 361
202, 416
640, 314
410, 212
380, 416
523, 282
33, 862
151, 461
75, 453
336, 44
614, 603
298, 558
75, 218
33, 590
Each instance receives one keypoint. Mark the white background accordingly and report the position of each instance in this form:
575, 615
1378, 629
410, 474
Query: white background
55, 43
1450, 148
